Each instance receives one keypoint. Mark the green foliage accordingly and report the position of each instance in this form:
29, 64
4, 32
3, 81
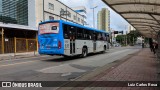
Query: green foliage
130, 37
121, 39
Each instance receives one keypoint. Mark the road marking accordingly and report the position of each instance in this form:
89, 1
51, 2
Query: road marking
16, 64
64, 68
66, 74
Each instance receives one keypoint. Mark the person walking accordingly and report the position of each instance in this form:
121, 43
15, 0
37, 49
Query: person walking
151, 44
151, 47
154, 47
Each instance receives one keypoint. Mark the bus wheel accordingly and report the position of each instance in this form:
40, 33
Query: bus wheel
84, 52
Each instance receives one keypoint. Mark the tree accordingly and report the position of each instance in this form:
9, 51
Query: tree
121, 39
132, 37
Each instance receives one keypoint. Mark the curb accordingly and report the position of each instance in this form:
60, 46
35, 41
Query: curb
10, 57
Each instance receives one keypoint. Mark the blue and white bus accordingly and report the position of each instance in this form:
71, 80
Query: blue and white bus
59, 37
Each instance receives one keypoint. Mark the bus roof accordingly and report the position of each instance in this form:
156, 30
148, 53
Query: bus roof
73, 24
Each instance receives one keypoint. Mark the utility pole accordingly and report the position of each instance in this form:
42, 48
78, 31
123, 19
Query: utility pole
2, 40
126, 39
93, 16
126, 35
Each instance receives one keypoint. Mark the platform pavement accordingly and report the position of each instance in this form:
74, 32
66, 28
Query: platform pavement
141, 66
17, 55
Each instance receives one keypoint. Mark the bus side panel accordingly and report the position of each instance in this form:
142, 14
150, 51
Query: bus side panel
79, 46
100, 46
81, 43
90, 46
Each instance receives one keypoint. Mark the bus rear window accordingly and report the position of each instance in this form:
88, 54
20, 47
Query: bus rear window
49, 28
54, 27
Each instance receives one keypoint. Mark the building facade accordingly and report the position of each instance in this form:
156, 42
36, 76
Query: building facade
15, 12
81, 10
19, 21
103, 19
56, 10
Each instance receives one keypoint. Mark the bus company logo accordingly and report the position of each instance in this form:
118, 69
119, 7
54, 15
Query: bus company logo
6, 84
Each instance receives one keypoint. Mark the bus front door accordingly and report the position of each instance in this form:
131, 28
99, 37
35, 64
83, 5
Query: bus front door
72, 42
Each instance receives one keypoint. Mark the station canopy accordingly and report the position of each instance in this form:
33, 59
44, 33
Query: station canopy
144, 15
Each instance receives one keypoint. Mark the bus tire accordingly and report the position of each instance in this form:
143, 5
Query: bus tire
84, 52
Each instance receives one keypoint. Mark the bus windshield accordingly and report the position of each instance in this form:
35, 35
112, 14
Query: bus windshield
49, 28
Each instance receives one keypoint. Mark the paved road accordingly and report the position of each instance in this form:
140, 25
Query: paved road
57, 68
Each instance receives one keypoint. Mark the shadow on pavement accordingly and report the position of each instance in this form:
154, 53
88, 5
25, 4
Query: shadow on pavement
63, 59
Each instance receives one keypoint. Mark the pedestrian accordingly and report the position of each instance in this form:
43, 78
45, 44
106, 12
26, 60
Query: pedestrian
143, 45
154, 47
151, 47
151, 44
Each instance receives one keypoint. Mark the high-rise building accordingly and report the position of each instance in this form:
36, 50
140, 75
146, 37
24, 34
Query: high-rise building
103, 19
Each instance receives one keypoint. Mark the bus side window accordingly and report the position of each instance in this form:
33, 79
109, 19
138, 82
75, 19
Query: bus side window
85, 34
65, 31
79, 33
90, 35
72, 31
103, 36
96, 34
99, 36
106, 37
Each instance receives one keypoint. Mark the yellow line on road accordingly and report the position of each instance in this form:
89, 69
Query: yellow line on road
16, 64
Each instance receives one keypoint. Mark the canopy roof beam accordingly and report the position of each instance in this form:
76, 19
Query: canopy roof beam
133, 3
143, 22
142, 15
138, 12
154, 29
140, 18
146, 25
155, 19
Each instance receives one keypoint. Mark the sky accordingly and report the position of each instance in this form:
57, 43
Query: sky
116, 21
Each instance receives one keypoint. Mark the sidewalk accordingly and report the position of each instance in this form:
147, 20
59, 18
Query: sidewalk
17, 55
141, 66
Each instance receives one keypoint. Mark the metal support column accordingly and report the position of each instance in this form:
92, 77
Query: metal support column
15, 45
2, 41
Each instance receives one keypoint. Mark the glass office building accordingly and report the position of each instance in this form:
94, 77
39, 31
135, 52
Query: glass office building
14, 11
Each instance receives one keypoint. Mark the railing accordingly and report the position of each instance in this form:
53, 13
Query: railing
18, 45
25, 45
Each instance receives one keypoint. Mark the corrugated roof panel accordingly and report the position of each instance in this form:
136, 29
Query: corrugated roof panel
144, 15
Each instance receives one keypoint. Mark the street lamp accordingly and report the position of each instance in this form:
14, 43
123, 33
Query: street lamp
93, 16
